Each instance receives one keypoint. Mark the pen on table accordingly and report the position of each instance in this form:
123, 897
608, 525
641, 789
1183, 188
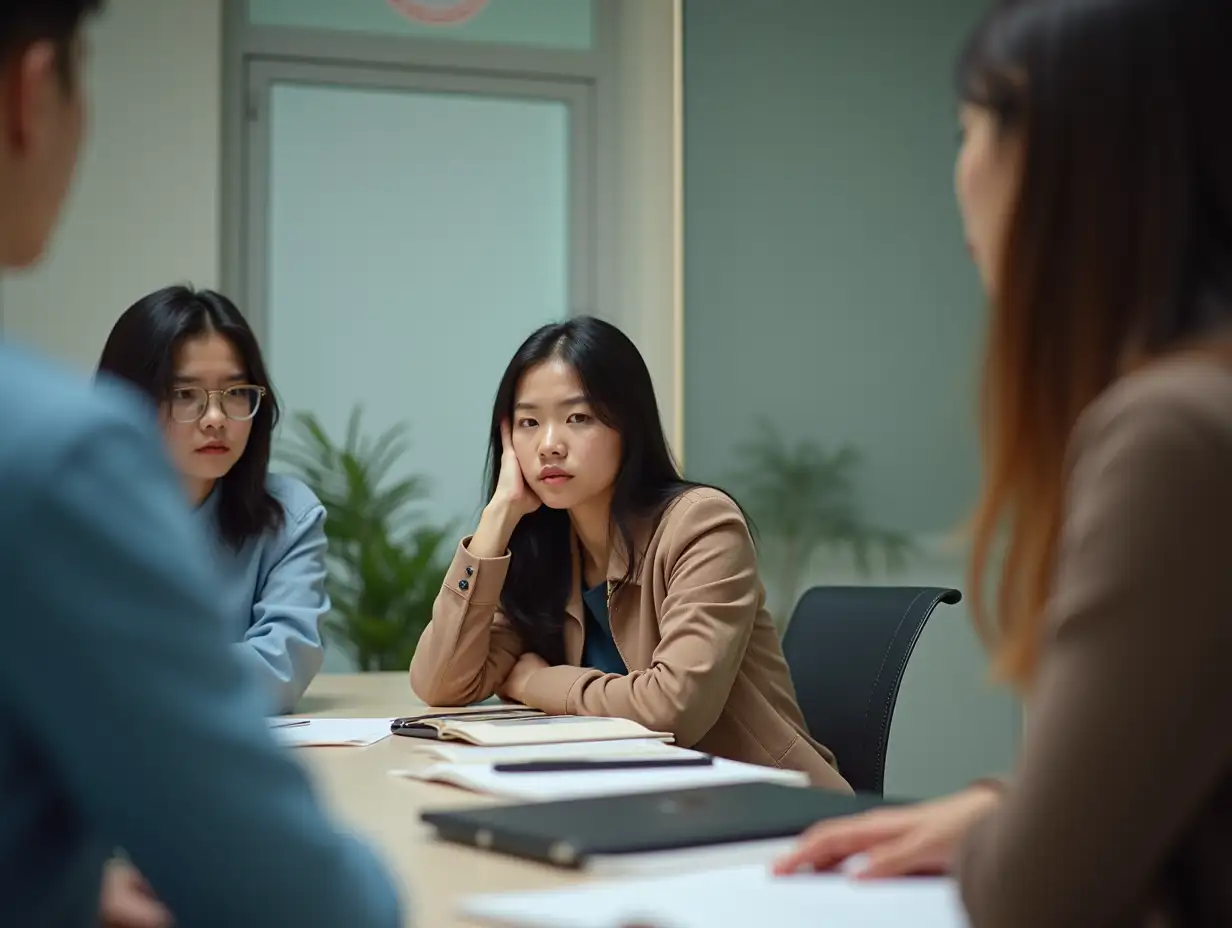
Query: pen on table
582, 766
289, 723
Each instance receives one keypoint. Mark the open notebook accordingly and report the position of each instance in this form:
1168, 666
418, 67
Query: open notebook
455, 752
538, 729
484, 778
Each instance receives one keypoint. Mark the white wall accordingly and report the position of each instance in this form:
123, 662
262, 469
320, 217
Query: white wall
641, 278
144, 212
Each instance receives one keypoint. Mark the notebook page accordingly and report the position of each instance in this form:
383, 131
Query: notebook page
545, 730
482, 778
455, 753
729, 898
331, 732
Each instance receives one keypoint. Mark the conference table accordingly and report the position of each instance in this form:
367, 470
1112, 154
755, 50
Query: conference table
356, 786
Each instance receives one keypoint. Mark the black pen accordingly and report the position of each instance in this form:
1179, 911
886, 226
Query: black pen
582, 766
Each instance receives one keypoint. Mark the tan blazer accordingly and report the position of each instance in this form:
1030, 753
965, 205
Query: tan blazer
1120, 811
704, 657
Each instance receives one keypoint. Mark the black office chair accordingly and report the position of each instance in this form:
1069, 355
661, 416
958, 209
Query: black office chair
847, 648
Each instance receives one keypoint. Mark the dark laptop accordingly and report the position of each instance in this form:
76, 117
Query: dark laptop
568, 833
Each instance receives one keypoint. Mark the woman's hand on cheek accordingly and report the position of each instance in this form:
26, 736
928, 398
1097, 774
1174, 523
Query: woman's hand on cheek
512, 491
511, 500
514, 687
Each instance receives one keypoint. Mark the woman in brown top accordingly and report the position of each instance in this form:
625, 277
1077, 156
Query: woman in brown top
599, 582
1095, 183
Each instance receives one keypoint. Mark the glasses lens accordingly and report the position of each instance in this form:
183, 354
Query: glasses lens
188, 404
241, 402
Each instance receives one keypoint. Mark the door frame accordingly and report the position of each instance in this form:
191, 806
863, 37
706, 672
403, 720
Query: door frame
634, 72
263, 75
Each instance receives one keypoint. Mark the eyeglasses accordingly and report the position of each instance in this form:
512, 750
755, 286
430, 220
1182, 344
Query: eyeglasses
239, 403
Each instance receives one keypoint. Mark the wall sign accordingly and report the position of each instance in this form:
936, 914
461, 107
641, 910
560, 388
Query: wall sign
439, 12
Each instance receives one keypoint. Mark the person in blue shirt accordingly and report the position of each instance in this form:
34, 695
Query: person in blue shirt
195, 356
125, 718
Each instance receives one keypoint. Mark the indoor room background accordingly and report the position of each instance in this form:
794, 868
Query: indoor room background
758, 193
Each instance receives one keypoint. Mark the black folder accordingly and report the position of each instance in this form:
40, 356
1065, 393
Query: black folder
568, 833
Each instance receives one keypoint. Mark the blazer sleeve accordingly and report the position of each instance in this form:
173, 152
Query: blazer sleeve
283, 643
708, 614
469, 647
1121, 746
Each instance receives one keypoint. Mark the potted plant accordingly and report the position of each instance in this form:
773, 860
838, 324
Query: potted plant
386, 563
801, 499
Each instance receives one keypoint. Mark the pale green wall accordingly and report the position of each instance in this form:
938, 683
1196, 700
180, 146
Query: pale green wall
827, 288
826, 283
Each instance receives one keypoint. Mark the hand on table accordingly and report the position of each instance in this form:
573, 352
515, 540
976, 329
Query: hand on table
126, 900
919, 839
514, 686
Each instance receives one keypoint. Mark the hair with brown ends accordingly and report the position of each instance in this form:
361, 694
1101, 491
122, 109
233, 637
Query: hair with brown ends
1118, 250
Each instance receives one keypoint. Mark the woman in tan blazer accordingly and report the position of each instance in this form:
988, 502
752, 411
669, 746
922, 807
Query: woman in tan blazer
1095, 184
599, 582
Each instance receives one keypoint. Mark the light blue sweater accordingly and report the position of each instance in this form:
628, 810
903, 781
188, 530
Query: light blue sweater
125, 718
272, 591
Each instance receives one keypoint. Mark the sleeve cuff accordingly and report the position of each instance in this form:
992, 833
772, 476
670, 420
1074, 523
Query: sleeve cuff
548, 689
477, 580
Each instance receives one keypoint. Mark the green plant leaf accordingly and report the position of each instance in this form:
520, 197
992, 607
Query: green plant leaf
386, 564
802, 498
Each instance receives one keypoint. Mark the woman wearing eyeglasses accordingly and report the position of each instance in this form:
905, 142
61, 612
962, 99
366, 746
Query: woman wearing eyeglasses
195, 356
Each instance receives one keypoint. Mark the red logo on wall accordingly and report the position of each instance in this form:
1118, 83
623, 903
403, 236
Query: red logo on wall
439, 12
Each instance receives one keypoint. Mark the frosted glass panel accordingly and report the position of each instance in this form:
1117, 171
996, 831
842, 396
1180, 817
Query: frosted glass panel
414, 240
544, 23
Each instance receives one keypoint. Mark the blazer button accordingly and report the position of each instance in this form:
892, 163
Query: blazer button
470, 571
463, 584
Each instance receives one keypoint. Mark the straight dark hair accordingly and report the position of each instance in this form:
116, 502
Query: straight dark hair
617, 385
24, 22
144, 348
1118, 250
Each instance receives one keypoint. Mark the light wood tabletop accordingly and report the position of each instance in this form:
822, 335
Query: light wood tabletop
356, 786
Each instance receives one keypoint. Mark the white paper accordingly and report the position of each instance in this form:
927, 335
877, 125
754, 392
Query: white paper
331, 732
737, 897
689, 859
570, 750
482, 778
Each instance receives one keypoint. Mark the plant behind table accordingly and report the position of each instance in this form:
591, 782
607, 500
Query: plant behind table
385, 559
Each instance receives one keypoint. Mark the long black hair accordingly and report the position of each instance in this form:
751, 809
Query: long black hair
143, 348
618, 388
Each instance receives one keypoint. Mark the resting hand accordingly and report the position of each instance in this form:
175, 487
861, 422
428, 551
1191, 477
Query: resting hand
915, 839
126, 900
514, 686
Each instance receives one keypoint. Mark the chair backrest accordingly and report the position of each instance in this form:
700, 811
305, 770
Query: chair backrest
847, 647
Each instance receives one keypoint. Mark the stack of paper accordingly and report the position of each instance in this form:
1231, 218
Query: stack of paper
483, 778
735, 897
302, 733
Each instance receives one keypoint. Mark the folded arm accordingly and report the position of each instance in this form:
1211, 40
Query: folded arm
469, 647
708, 615
283, 644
